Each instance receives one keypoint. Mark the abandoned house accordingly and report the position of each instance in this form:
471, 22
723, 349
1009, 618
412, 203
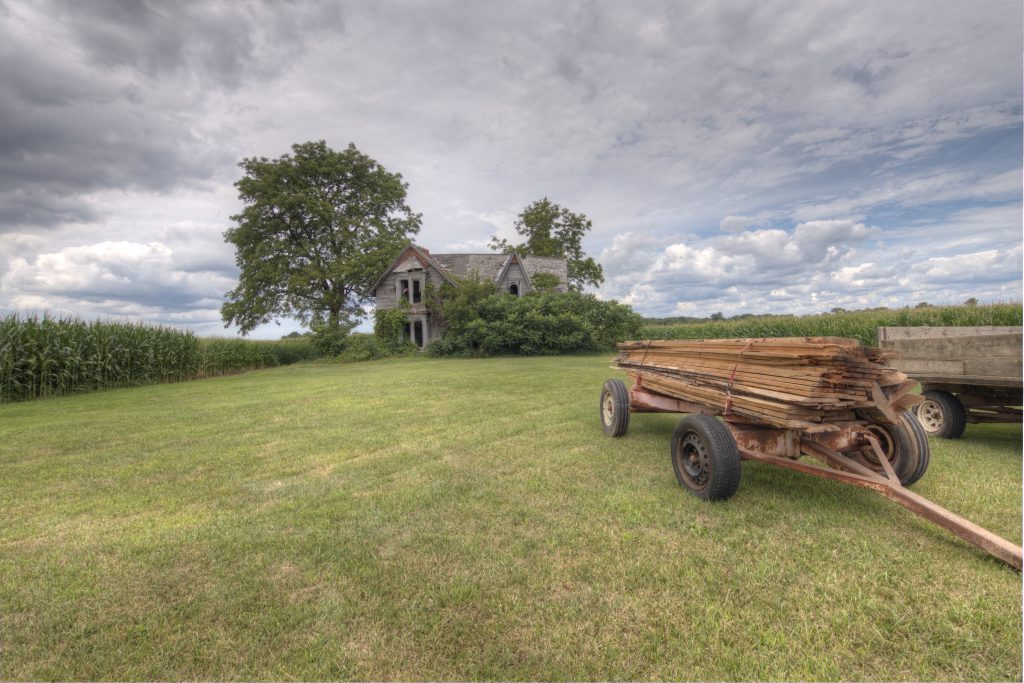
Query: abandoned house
408, 276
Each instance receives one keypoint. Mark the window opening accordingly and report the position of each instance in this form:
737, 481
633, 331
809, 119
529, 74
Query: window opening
407, 333
417, 296
403, 287
418, 332
514, 289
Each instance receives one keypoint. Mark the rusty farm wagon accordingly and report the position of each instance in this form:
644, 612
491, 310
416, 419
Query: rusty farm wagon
967, 374
777, 401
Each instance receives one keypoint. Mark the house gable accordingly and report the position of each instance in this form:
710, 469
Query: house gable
513, 277
415, 269
405, 262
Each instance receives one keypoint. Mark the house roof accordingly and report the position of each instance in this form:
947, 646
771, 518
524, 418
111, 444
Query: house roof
460, 265
489, 266
493, 266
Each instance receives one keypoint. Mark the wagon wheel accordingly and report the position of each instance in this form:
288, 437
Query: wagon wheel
924, 453
942, 414
614, 408
899, 447
705, 458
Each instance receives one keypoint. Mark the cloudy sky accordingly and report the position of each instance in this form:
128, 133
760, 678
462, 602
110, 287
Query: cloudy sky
733, 156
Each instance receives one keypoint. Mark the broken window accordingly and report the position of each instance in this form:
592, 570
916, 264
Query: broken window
513, 289
418, 333
416, 294
403, 289
407, 333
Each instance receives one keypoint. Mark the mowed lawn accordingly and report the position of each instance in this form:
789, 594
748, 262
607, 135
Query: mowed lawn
468, 519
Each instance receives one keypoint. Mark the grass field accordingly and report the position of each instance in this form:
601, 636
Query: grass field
467, 519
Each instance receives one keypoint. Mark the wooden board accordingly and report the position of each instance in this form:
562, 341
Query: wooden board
986, 355
791, 382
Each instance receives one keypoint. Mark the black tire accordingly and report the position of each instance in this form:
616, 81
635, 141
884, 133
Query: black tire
942, 414
705, 458
923, 448
900, 448
614, 408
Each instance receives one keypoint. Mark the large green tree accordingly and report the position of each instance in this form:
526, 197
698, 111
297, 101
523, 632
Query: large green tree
553, 230
317, 228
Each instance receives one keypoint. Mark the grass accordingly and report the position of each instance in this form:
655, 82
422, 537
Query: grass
467, 519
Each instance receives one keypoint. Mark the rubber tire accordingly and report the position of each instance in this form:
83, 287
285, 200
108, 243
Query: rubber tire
907, 453
723, 457
954, 415
924, 452
619, 423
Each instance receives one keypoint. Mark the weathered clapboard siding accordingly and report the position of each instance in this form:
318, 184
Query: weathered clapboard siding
514, 273
435, 278
386, 295
924, 332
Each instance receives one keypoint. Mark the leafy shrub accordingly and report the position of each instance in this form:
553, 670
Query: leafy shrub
330, 340
389, 325
482, 323
360, 347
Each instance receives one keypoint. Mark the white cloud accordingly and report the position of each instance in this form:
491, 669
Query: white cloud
812, 268
982, 266
117, 279
725, 152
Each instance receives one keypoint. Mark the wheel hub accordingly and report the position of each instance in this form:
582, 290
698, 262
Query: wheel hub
695, 459
888, 447
608, 408
930, 416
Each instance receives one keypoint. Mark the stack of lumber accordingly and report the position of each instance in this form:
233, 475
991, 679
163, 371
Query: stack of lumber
789, 382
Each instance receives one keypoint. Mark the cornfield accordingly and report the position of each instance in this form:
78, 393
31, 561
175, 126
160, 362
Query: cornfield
47, 356
860, 325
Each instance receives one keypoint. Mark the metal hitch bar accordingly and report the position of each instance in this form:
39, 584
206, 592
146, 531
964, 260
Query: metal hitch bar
844, 469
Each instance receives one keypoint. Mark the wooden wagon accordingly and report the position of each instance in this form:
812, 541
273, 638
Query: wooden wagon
709, 443
968, 374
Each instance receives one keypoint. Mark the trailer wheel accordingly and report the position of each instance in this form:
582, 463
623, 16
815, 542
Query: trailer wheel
942, 414
900, 448
924, 454
614, 408
705, 458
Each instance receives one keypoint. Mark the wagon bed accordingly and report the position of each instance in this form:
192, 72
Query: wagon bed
709, 444
967, 374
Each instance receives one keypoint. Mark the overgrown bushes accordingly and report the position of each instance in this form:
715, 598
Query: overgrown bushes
360, 347
481, 322
388, 327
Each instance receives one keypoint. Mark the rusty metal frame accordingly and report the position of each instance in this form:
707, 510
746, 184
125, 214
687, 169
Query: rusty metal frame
784, 447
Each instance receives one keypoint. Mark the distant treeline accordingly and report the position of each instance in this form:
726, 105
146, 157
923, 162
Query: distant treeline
48, 356
860, 325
